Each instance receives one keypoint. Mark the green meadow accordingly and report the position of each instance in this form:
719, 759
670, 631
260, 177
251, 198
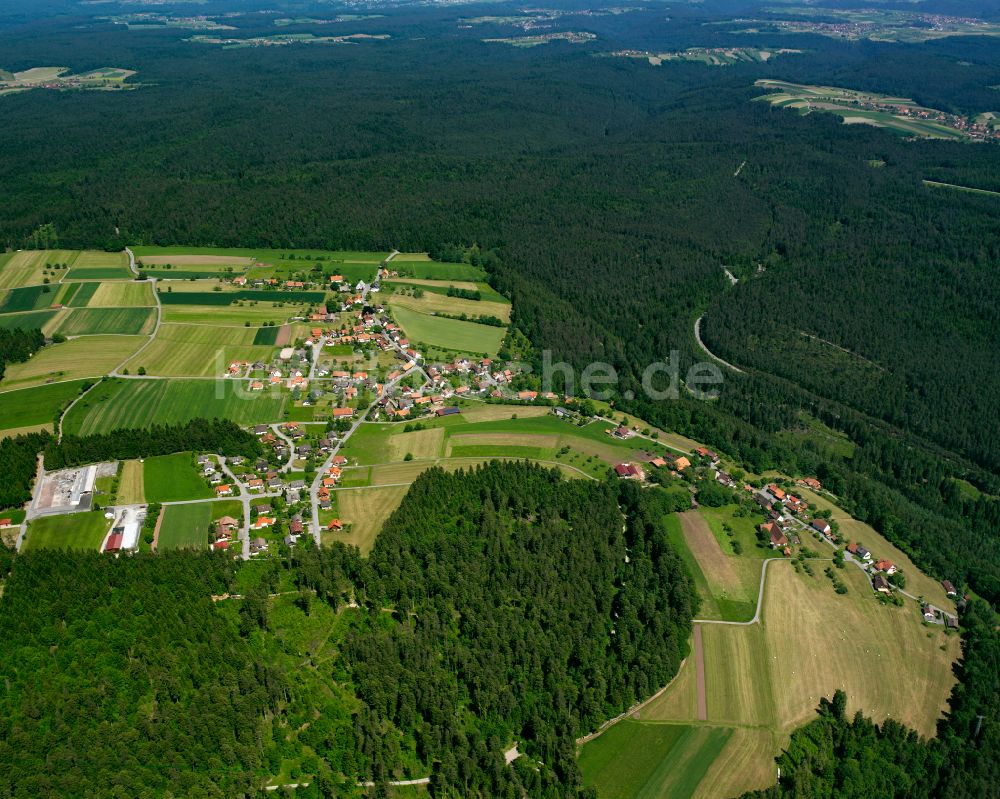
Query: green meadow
637, 760
452, 334
117, 403
172, 478
39, 405
73, 531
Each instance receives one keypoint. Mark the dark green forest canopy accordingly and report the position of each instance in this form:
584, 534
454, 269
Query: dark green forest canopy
119, 680
531, 616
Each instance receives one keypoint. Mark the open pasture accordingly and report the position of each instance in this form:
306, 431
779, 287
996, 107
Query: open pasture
463, 440
92, 356
37, 298
718, 567
257, 314
96, 321
365, 509
198, 350
451, 334
419, 444
141, 403
881, 656
173, 478
84, 531
35, 406
769, 678
206, 262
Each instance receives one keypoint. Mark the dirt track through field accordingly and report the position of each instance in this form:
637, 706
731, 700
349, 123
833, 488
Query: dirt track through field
156, 530
699, 663
284, 337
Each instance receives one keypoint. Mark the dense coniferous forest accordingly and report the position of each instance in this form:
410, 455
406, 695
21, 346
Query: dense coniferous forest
119, 680
19, 464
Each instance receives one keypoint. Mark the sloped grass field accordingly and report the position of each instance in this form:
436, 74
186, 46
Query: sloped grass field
142, 403
120, 295
365, 509
131, 489
197, 350
451, 334
26, 321
432, 302
27, 267
91, 356
174, 478
33, 406
764, 680
95, 321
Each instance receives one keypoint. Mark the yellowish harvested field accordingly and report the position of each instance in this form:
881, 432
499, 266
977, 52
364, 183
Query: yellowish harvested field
432, 303
719, 570
420, 443
391, 473
732, 653
88, 356
130, 485
745, 764
881, 656
917, 583
492, 413
195, 260
411, 256
503, 439
366, 509
53, 324
121, 295
97, 258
